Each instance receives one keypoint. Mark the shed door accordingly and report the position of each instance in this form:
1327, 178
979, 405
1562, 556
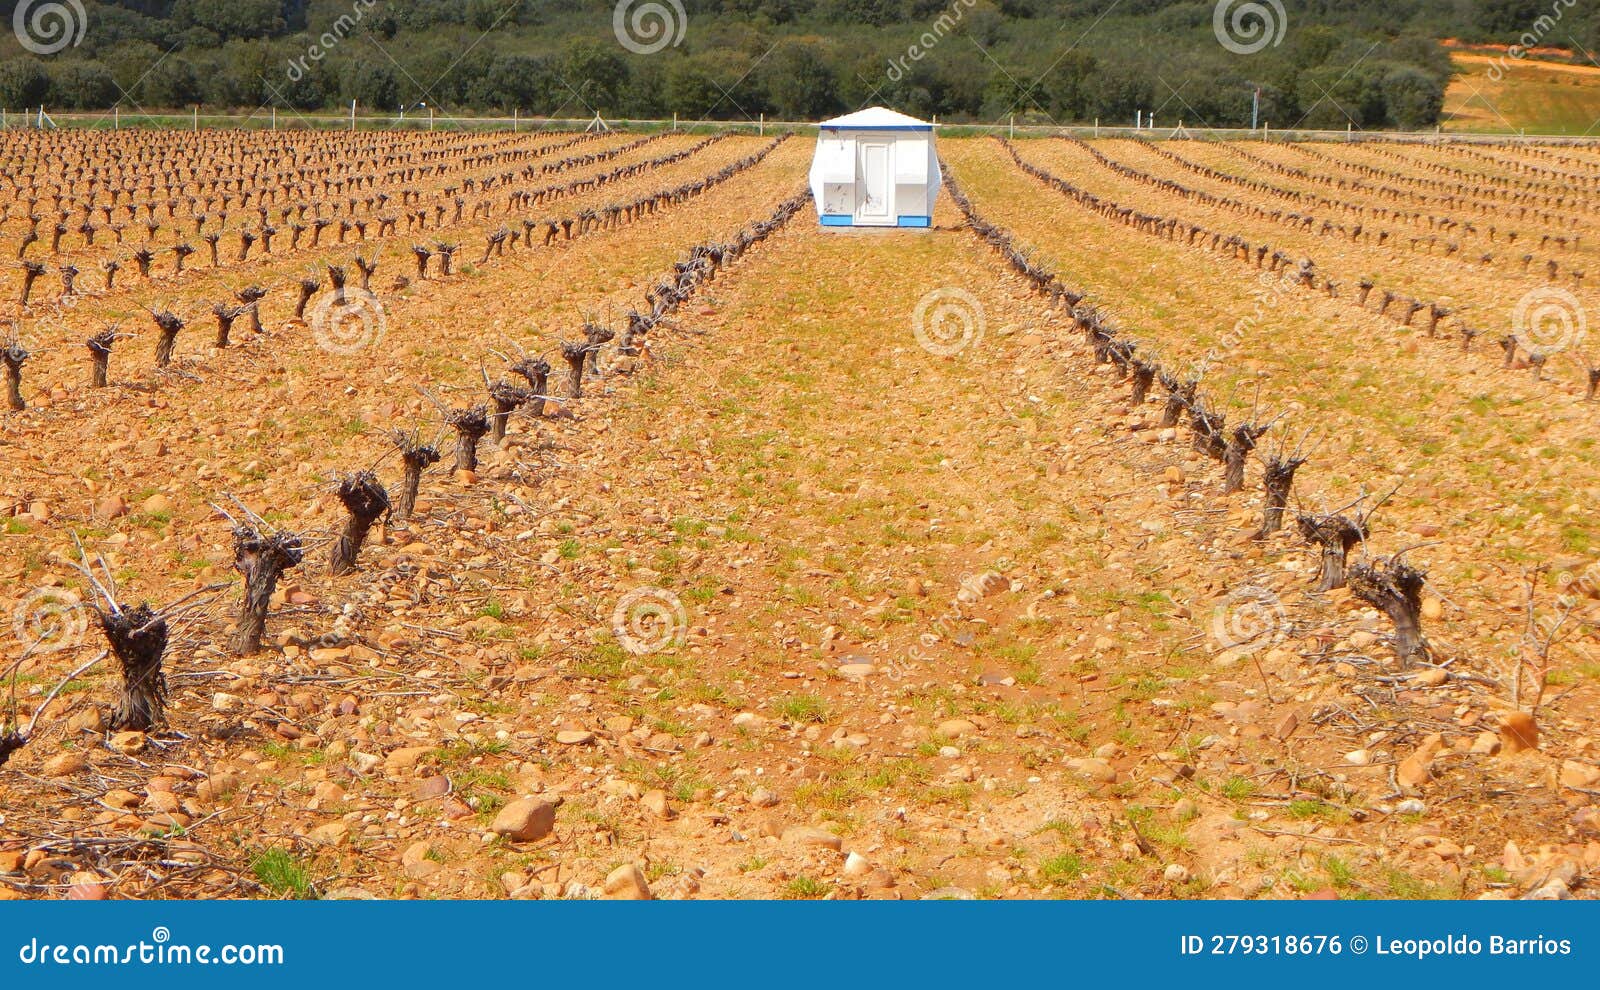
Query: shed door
875, 200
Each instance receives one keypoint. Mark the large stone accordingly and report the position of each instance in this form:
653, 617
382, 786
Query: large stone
405, 759
627, 883
525, 820
1094, 769
955, 728
331, 834
65, 764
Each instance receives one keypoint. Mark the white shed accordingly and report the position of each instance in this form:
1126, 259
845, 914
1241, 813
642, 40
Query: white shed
875, 168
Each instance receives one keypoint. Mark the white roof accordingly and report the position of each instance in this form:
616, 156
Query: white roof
876, 119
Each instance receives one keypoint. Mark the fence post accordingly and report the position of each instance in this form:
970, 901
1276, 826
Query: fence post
352, 115
116, 117
274, 116
674, 121
516, 115
430, 116
196, 118
1097, 127
1013, 126
761, 128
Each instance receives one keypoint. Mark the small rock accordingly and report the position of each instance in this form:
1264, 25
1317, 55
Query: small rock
655, 802
1358, 757
405, 759
955, 728
113, 507
627, 883
1431, 677
1175, 873
575, 737
763, 798
810, 835
1518, 731
1555, 889
65, 764
123, 800
156, 503
1410, 806
1575, 774
856, 865
1094, 769
982, 586
525, 820
331, 834
128, 743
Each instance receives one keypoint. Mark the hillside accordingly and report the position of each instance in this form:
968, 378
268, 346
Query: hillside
1496, 94
1317, 65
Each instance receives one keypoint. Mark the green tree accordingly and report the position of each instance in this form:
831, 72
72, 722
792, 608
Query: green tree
1412, 98
800, 83
82, 85
23, 82
596, 73
690, 88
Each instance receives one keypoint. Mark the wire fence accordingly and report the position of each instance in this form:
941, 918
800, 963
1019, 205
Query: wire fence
269, 118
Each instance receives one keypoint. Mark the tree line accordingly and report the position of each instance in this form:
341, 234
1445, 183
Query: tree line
1363, 62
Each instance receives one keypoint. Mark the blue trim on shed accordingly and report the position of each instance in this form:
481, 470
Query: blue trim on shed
914, 222
836, 220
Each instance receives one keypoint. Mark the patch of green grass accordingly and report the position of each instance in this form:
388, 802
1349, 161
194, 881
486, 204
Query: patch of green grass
281, 873
1063, 869
803, 708
1239, 789
804, 888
